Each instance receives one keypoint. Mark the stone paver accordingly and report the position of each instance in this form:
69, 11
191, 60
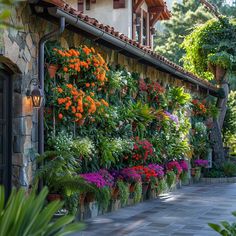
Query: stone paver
184, 212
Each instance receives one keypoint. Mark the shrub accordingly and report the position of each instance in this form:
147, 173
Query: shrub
229, 169
227, 229
28, 215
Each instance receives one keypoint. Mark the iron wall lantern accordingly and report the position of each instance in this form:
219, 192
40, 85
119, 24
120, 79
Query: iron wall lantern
36, 93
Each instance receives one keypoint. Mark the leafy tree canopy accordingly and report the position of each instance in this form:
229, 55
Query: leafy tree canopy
185, 16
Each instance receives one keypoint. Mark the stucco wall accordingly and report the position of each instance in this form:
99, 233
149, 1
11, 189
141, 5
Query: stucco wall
19, 51
120, 19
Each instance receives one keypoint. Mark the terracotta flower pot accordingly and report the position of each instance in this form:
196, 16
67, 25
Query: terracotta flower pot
115, 193
131, 188
54, 197
81, 122
52, 70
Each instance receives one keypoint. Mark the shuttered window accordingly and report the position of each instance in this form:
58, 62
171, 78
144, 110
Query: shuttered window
80, 5
118, 4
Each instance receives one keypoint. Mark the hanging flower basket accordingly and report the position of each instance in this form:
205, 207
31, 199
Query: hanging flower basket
52, 70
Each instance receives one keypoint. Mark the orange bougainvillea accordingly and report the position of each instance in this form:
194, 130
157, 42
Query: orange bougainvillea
86, 66
74, 104
198, 108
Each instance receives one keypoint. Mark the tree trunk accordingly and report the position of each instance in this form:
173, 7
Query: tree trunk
222, 103
216, 134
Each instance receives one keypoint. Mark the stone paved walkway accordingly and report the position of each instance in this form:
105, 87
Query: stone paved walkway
184, 212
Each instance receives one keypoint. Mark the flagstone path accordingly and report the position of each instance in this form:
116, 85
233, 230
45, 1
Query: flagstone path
184, 212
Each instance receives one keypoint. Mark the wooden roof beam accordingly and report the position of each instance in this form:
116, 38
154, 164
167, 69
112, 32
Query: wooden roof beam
155, 18
137, 5
156, 9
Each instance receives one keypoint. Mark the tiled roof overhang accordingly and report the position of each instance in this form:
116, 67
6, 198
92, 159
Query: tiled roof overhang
166, 14
106, 35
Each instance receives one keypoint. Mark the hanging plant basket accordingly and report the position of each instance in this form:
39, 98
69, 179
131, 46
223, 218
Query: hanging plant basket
52, 70
220, 73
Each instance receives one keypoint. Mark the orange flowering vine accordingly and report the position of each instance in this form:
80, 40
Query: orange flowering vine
73, 104
87, 67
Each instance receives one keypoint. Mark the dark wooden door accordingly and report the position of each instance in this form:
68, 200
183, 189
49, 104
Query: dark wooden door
5, 130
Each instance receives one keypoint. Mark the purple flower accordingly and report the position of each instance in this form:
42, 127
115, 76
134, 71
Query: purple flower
108, 178
158, 169
184, 165
130, 175
201, 163
94, 178
172, 117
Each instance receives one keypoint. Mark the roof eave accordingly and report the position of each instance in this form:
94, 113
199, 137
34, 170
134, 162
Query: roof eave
124, 47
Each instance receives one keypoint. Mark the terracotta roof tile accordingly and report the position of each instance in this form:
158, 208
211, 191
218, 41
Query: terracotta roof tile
66, 7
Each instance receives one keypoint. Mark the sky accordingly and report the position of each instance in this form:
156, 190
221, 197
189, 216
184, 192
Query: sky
229, 1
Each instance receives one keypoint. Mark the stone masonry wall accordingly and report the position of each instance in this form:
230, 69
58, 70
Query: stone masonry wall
19, 51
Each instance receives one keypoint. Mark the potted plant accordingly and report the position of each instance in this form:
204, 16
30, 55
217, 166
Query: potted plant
123, 192
51, 58
130, 176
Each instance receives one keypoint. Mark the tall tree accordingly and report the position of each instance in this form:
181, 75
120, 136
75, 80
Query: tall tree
185, 16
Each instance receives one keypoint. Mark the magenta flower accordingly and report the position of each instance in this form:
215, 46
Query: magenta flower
201, 163
94, 178
158, 169
174, 166
184, 165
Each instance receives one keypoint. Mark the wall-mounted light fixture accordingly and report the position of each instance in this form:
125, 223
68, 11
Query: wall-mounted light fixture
36, 93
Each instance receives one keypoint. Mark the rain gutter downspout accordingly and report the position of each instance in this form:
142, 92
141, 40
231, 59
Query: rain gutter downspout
138, 53
42, 42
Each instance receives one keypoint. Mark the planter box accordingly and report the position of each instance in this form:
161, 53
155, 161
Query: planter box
218, 180
92, 209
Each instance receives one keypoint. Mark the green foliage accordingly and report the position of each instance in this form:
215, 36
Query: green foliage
137, 192
123, 192
83, 147
111, 149
162, 186
229, 168
104, 197
59, 173
28, 215
225, 228
199, 140
185, 15
229, 128
5, 13
170, 178
211, 43
177, 98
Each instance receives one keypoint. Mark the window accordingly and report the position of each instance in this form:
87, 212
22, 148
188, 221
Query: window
141, 27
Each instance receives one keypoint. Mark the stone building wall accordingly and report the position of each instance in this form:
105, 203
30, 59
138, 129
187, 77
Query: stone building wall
19, 51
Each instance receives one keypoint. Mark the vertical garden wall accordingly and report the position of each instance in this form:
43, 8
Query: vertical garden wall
115, 134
